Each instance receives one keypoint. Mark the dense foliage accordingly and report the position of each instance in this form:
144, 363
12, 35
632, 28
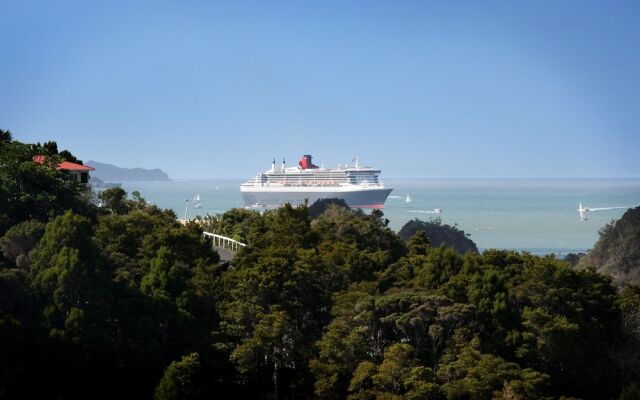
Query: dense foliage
122, 301
617, 252
30, 191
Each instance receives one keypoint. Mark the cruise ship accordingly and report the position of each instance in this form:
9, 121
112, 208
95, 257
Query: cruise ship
358, 186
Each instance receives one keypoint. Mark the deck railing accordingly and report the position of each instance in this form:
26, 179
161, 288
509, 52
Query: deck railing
224, 242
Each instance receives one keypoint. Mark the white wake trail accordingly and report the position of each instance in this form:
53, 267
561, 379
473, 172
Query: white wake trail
606, 208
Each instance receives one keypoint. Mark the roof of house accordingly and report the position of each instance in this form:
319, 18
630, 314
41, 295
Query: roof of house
71, 166
39, 159
65, 165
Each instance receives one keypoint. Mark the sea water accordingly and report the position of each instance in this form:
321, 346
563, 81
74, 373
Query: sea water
535, 215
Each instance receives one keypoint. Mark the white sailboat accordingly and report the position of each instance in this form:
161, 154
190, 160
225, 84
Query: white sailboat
196, 201
583, 210
408, 199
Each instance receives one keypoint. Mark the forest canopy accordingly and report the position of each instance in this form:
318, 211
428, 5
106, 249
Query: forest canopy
123, 301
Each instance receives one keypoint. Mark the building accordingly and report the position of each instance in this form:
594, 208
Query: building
76, 172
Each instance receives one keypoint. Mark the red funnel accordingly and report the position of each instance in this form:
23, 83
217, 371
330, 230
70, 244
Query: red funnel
305, 162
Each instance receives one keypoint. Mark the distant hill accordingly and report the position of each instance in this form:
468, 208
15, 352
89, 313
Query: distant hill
439, 233
112, 173
617, 252
100, 184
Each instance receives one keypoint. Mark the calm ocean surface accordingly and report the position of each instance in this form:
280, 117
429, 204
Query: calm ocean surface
536, 215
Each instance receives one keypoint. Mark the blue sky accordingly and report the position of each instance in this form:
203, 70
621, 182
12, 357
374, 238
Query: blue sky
420, 89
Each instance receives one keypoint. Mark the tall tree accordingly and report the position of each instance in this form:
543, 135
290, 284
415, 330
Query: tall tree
180, 380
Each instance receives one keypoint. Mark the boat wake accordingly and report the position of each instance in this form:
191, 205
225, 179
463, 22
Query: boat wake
583, 210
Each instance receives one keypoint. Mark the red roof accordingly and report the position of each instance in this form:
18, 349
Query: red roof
71, 166
65, 165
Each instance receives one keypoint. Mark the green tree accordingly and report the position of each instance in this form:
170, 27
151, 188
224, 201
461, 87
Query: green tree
397, 362
399, 376
29, 190
121, 239
361, 386
115, 200
20, 240
438, 267
272, 347
50, 148
67, 270
180, 380
5, 136
74, 293
367, 232
418, 244
67, 156
349, 339
235, 223
168, 283
475, 376
165, 278
366, 325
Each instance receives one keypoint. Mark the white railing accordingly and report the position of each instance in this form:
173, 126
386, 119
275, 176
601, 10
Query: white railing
224, 242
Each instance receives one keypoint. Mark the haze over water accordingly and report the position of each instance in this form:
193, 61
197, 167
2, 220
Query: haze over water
536, 215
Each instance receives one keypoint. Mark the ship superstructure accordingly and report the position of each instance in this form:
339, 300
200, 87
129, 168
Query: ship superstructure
358, 186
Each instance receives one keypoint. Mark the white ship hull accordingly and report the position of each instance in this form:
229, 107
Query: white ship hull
354, 195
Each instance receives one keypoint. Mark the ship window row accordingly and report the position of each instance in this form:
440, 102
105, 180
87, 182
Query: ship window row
319, 177
364, 178
304, 182
309, 175
304, 178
